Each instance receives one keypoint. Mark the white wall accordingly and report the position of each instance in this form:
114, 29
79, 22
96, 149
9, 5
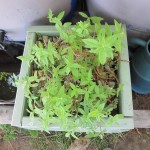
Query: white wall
135, 13
17, 15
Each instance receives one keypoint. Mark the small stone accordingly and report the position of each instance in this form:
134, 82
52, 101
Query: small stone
144, 141
45, 38
54, 39
99, 82
107, 68
107, 149
111, 84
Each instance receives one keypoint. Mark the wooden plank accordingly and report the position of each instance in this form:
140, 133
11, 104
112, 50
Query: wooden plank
20, 98
125, 101
122, 125
142, 118
8, 102
6, 114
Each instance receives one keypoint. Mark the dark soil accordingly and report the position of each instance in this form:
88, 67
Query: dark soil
7, 88
28, 144
132, 140
141, 102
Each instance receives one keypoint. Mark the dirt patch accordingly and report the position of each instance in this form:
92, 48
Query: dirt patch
134, 140
80, 144
141, 102
28, 144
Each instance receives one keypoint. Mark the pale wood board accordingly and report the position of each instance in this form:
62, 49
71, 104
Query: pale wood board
8, 102
6, 114
125, 108
142, 118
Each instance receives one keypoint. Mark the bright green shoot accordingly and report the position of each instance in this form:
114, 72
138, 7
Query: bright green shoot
70, 83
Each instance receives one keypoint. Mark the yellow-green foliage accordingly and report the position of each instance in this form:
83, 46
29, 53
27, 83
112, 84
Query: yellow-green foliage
70, 95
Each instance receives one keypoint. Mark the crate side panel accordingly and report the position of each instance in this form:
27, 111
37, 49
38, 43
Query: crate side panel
125, 103
122, 125
20, 99
44, 30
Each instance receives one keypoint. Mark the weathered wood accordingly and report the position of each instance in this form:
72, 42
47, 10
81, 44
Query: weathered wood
142, 118
7, 102
125, 104
6, 114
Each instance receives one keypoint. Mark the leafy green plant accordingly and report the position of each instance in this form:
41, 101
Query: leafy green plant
73, 79
4, 75
34, 133
9, 132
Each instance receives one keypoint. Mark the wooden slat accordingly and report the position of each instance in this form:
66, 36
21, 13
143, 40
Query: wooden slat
142, 118
122, 125
8, 102
6, 114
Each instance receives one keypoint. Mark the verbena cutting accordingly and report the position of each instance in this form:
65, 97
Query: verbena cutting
73, 80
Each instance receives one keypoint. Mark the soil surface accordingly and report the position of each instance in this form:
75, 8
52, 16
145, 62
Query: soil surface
132, 140
141, 102
28, 144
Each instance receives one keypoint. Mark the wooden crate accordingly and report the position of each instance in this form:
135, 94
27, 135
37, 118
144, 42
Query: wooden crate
141, 117
20, 119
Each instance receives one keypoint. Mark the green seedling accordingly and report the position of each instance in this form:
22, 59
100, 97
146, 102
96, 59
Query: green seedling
74, 83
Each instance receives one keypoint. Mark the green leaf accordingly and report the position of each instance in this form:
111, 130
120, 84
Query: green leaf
40, 45
67, 134
83, 15
73, 135
101, 106
96, 20
9, 136
34, 85
34, 133
81, 111
102, 57
81, 91
50, 14
119, 89
90, 43
61, 15
117, 26
114, 119
93, 114
92, 135
72, 86
67, 24
108, 30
